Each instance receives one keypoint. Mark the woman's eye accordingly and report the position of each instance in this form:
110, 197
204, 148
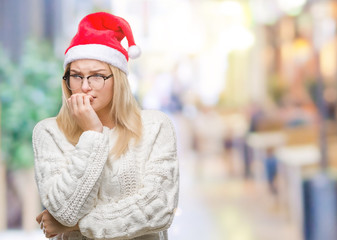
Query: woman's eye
76, 76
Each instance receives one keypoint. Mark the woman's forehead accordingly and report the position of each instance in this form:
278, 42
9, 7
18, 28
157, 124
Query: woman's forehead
89, 64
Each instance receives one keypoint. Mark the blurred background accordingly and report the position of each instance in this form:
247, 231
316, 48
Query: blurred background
251, 86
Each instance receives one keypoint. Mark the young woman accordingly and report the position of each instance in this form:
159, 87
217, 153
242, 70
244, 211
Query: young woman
104, 168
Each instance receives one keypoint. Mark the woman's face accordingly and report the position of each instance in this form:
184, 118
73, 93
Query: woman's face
102, 96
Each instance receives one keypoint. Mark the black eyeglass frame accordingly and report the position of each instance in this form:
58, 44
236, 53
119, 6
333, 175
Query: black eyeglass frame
67, 76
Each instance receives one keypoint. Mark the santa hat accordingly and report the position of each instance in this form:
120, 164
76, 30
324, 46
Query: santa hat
99, 37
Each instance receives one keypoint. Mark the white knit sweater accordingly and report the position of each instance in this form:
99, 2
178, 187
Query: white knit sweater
133, 197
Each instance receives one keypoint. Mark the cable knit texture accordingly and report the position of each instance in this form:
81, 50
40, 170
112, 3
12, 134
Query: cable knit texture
133, 197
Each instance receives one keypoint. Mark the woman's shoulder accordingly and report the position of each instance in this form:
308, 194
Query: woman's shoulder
46, 124
154, 116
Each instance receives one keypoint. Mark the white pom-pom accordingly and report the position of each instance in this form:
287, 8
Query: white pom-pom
134, 51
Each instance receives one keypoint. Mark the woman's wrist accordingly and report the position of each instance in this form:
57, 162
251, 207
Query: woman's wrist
94, 128
99, 129
74, 228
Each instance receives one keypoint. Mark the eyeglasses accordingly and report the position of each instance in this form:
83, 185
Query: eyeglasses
75, 81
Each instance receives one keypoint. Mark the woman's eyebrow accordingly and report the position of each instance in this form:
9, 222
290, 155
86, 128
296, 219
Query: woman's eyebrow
98, 70
91, 71
75, 71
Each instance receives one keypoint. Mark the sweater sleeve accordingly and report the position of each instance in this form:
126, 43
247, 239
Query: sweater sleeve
68, 180
149, 210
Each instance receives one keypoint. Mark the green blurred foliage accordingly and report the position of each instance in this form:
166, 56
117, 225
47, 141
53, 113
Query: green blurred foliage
29, 92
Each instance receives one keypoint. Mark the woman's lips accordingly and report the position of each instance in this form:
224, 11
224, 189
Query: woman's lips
92, 98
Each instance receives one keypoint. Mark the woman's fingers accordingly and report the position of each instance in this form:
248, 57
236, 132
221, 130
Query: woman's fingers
39, 217
87, 100
46, 223
74, 103
70, 105
83, 112
45, 219
79, 102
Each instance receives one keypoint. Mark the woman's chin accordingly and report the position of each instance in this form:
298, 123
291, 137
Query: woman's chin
96, 108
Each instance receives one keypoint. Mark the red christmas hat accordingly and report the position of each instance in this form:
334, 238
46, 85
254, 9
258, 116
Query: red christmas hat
99, 37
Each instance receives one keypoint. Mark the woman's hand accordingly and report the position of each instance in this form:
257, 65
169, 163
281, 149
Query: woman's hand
50, 226
83, 113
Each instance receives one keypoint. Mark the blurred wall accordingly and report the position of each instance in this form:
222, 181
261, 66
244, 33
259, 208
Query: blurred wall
20, 20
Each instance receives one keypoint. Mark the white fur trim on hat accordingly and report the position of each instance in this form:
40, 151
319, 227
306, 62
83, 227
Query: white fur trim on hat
97, 52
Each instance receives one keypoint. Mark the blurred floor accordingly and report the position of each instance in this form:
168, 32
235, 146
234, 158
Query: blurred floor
216, 206
21, 235
216, 203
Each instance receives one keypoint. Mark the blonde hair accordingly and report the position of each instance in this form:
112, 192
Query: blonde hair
125, 112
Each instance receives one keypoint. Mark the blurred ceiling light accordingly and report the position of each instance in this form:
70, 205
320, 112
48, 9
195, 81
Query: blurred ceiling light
212, 77
264, 11
231, 8
236, 37
291, 7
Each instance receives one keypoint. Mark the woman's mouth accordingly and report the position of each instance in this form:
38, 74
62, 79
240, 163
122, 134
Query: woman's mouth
92, 98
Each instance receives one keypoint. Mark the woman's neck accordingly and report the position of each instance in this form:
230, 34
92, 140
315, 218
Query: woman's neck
106, 119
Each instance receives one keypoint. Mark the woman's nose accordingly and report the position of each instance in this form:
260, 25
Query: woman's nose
85, 85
